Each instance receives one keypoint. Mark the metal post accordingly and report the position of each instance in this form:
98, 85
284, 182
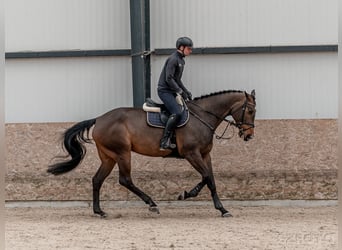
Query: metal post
140, 43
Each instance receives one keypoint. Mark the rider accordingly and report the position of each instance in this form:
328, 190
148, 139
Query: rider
170, 84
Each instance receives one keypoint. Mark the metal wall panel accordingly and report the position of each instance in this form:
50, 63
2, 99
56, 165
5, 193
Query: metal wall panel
217, 23
40, 25
288, 86
65, 90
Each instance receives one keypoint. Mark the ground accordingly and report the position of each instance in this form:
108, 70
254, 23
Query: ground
176, 227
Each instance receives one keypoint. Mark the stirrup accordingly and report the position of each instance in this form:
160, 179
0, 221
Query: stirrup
170, 147
167, 145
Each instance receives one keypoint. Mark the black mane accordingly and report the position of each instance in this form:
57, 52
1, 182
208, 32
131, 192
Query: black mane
217, 93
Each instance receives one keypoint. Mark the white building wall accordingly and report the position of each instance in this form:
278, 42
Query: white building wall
288, 85
218, 23
66, 89
43, 25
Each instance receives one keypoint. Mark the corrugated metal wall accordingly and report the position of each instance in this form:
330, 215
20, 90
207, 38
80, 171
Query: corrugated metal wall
244, 22
66, 89
288, 85
37, 25
294, 85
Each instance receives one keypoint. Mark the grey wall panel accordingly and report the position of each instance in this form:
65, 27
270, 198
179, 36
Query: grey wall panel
218, 23
90, 24
66, 90
288, 86
66, 25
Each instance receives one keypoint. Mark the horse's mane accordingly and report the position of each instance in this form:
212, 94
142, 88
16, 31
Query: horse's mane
217, 93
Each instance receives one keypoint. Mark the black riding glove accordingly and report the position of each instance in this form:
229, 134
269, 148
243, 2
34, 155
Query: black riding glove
189, 95
184, 95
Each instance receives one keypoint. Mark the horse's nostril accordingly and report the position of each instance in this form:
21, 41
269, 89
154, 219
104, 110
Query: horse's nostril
248, 137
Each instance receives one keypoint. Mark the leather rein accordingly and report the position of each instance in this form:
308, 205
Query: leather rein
229, 122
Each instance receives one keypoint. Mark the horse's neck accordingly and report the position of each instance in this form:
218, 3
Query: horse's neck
222, 104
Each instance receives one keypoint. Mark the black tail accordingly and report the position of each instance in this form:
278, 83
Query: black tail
73, 143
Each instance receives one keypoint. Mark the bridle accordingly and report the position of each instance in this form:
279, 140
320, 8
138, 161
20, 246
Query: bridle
242, 119
229, 122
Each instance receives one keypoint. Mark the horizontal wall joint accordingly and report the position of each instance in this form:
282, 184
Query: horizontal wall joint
168, 51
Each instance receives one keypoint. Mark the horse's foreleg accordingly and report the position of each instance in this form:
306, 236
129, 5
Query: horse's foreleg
217, 203
101, 174
203, 165
126, 181
212, 187
193, 192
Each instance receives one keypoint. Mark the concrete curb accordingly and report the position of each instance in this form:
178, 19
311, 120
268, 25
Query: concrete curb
229, 203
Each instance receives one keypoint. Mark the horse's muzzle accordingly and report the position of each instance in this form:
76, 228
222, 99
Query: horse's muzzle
247, 133
248, 137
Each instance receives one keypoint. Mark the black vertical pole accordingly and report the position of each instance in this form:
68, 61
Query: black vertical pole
140, 43
147, 48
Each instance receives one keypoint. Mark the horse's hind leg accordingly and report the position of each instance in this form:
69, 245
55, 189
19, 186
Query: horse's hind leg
126, 181
101, 174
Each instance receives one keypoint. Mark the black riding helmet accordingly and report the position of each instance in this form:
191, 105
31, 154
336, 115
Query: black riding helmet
184, 41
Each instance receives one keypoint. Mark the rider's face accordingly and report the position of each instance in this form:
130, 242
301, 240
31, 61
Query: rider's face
187, 51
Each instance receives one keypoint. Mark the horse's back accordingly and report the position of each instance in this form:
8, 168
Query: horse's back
117, 117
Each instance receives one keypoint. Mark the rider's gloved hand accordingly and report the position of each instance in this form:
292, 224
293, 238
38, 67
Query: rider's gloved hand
189, 95
184, 95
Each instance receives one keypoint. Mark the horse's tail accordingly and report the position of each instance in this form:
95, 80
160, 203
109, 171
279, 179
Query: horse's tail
73, 143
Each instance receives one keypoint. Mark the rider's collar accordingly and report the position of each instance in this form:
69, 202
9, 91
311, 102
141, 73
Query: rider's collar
180, 53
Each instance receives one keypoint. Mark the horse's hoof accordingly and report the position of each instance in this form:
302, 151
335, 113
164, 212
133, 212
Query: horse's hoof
101, 214
227, 214
181, 196
154, 209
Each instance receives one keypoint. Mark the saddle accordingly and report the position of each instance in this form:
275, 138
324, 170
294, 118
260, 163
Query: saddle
157, 114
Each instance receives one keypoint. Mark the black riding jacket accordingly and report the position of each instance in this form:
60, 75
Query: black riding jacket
170, 77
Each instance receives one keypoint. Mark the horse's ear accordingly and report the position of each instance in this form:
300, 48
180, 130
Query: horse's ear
253, 93
246, 94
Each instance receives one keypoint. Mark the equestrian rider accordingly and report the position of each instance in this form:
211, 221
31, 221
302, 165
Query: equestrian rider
170, 84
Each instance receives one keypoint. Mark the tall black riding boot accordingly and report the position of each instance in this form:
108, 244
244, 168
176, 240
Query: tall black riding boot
165, 142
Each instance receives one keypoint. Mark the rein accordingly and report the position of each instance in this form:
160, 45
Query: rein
229, 123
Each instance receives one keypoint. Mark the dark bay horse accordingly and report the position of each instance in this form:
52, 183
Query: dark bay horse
123, 130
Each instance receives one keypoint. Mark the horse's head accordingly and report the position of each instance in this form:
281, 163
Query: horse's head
244, 115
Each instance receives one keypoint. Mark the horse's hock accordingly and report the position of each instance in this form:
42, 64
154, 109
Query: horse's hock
287, 159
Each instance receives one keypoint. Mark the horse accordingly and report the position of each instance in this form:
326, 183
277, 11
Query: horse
122, 130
